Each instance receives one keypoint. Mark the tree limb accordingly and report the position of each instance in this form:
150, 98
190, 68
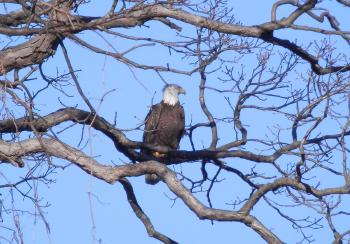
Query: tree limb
141, 215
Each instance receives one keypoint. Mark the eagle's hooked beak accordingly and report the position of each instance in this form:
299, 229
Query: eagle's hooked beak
182, 91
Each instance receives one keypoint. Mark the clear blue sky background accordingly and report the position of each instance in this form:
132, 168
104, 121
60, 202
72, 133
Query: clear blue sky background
69, 213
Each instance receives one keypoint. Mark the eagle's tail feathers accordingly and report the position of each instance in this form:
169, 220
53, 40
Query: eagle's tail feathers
151, 179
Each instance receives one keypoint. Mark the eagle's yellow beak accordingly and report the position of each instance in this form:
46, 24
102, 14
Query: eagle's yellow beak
182, 91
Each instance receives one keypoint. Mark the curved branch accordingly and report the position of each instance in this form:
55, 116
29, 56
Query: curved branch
214, 130
127, 146
121, 142
315, 66
42, 124
140, 14
120, 57
111, 174
141, 215
294, 183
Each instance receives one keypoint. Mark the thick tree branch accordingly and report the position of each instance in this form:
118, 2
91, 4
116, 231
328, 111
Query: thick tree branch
127, 146
34, 51
139, 15
111, 174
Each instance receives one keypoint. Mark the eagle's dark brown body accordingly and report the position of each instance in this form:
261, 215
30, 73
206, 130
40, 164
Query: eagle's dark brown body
164, 125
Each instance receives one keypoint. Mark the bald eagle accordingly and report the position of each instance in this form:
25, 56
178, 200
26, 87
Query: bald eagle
164, 124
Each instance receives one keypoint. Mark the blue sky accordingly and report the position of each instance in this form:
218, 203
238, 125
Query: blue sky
72, 216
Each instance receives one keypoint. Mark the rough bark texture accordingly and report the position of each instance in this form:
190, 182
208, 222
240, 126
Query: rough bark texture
31, 52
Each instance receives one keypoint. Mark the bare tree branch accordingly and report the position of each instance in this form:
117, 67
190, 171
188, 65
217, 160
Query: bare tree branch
141, 215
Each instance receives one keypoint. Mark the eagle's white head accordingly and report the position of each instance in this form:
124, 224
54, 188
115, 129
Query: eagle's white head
171, 93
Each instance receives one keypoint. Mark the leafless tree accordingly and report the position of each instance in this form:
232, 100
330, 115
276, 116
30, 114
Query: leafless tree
281, 131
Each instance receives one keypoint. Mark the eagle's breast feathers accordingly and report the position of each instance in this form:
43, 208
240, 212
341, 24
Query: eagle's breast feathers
164, 125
